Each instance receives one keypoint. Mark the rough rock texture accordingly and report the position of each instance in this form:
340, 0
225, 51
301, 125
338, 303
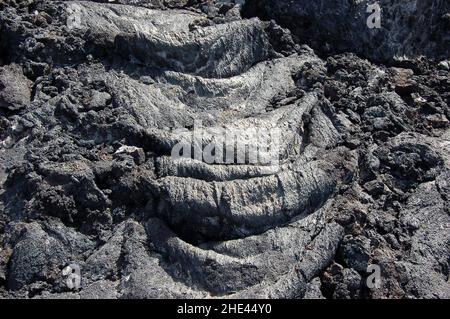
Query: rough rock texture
408, 28
94, 96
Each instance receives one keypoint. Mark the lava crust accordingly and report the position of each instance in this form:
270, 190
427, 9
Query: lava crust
96, 95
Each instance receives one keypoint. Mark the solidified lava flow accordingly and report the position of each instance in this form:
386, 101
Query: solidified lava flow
351, 168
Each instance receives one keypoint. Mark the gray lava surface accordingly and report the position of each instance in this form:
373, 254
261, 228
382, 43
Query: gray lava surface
95, 95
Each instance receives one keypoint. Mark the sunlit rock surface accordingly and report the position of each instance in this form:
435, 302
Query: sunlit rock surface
95, 96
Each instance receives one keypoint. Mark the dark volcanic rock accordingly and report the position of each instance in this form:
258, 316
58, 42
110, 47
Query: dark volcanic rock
407, 28
15, 88
96, 96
